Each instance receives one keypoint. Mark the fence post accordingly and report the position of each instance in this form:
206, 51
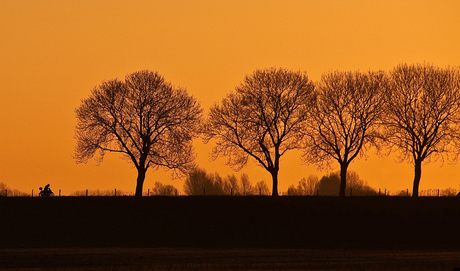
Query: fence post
379, 191
385, 191
86, 192
32, 193
115, 192
408, 192
148, 192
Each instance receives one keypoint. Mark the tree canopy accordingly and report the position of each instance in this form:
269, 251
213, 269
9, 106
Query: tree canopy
262, 119
345, 118
144, 118
422, 114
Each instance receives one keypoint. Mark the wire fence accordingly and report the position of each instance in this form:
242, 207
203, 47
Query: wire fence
448, 192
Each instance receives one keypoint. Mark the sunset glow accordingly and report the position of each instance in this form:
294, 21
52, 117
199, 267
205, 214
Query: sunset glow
52, 53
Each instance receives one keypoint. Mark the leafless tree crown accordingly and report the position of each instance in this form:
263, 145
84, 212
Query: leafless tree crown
262, 119
423, 111
346, 116
143, 117
263, 115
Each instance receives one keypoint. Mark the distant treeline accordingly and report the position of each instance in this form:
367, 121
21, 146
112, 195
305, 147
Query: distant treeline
202, 183
9, 192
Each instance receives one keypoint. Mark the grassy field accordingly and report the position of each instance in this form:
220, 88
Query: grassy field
228, 233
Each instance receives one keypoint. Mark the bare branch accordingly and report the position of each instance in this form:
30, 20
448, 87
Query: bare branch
145, 118
262, 119
422, 114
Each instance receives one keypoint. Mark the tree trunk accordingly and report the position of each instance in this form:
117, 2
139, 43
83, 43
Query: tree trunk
275, 183
417, 177
140, 181
343, 178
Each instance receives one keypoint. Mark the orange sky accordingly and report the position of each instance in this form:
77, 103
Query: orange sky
52, 53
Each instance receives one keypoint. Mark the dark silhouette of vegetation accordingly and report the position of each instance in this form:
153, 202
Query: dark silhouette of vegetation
6, 191
160, 189
357, 186
414, 109
329, 185
262, 119
199, 183
346, 116
422, 114
447, 192
146, 119
305, 187
99, 193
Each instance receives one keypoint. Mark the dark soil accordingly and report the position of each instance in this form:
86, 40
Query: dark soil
357, 223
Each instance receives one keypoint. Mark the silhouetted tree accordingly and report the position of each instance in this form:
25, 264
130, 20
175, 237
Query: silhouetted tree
200, 182
10, 192
262, 189
357, 186
348, 108
262, 119
3, 188
403, 193
329, 185
160, 189
422, 114
144, 118
232, 186
449, 192
305, 187
99, 193
246, 187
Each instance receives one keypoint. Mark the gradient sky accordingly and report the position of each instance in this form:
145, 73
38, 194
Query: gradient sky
52, 53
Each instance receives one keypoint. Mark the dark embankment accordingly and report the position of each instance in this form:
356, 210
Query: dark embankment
307, 222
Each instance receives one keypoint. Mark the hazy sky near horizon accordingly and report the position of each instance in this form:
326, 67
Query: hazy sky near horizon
52, 53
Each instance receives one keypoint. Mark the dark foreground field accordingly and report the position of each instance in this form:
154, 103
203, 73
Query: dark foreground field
223, 259
223, 233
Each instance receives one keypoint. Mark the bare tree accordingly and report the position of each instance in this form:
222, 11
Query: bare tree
246, 186
329, 185
261, 188
262, 119
160, 189
346, 116
199, 183
422, 114
357, 186
305, 187
146, 119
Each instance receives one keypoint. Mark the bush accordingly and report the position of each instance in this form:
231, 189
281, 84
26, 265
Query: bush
199, 182
160, 189
6, 191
